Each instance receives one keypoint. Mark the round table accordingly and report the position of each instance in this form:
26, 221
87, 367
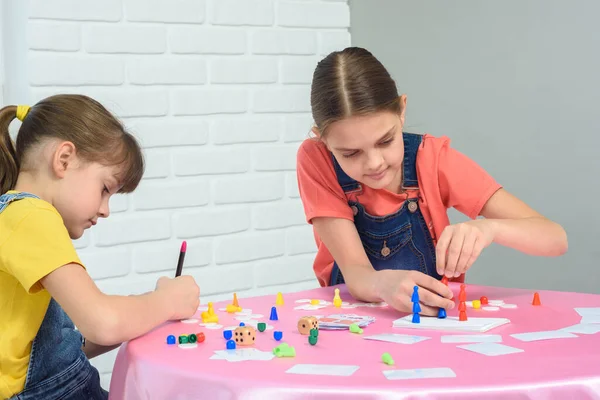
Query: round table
567, 368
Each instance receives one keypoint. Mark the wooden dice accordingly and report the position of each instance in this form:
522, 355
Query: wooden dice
305, 324
244, 335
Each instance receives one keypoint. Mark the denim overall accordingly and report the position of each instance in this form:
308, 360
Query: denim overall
58, 368
400, 240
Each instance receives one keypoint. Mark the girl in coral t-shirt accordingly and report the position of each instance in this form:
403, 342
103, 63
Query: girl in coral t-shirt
377, 197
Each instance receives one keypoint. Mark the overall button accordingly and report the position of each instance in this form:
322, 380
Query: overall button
354, 210
412, 206
385, 251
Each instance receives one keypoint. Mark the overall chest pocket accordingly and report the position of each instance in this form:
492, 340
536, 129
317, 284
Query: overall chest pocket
384, 246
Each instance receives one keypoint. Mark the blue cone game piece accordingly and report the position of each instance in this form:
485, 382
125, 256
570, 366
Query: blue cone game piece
442, 313
171, 339
227, 334
416, 319
416, 308
230, 345
273, 316
277, 335
415, 295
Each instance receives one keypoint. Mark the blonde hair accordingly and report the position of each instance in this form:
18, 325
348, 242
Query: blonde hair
96, 134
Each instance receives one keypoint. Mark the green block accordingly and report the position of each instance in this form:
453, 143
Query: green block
183, 339
387, 358
261, 326
192, 338
312, 340
314, 332
354, 328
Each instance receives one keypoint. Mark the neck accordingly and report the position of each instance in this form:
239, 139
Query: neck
35, 184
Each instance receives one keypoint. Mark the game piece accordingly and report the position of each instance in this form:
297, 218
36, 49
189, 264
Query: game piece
192, 338
315, 302
227, 334
284, 350
305, 324
462, 316
337, 300
230, 345
273, 316
484, 300
462, 295
200, 337
416, 308
415, 296
476, 304
354, 328
314, 332
416, 319
462, 306
279, 299
441, 313
445, 280
536, 299
387, 359
183, 339
209, 315
235, 300
244, 335
261, 326
277, 335
171, 339
242, 324
312, 340
232, 309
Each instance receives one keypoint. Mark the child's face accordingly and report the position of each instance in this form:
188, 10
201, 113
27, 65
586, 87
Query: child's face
369, 149
84, 194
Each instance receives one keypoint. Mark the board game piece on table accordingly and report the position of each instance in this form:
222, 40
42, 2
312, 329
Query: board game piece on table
451, 324
462, 316
244, 336
227, 334
209, 315
171, 339
536, 299
273, 316
387, 359
261, 326
232, 309
476, 304
462, 295
354, 328
284, 350
415, 295
279, 299
421, 373
235, 300
230, 345
277, 335
484, 300
313, 340
442, 313
337, 300
305, 324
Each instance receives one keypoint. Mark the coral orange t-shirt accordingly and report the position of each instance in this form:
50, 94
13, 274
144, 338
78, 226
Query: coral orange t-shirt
447, 179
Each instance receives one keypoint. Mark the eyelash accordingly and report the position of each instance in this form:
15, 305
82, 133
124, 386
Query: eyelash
385, 143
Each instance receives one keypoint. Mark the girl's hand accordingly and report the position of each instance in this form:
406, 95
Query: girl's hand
181, 293
396, 287
460, 245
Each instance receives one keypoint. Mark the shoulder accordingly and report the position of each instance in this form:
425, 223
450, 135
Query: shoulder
32, 217
28, 207
313, 152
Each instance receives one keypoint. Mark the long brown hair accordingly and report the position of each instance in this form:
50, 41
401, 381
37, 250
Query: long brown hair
348, 83
97, 135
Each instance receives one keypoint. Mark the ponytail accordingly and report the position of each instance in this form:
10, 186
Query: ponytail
9, 165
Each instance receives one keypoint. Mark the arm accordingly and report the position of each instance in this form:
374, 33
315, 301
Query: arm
108, 320
516, 225
92, 350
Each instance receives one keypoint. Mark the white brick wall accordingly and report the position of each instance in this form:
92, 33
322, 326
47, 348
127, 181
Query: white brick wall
218, 93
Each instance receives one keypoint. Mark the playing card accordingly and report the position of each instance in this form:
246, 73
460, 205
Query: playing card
395, 374
585, 311
542, 335
588, 329
343, 321
323, 369
471, 339
490, 349
397, 338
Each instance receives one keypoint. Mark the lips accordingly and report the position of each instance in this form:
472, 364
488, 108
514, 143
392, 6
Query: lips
377, 176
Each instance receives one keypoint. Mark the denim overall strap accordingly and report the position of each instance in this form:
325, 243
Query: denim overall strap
399, 240
348, 184
58, 368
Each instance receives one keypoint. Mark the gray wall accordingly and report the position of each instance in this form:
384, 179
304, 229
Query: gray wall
515, 85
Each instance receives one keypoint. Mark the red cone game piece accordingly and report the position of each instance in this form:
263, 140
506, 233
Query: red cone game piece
462, 316
445, 280
462, 295
536, 299
462, 306
484, 300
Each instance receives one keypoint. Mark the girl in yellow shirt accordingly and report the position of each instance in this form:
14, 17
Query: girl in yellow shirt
71, 156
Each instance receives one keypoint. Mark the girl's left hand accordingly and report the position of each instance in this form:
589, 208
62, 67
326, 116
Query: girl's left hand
460, 245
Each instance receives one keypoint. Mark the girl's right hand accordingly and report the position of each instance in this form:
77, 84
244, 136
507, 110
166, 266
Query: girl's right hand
395, 287
182, 294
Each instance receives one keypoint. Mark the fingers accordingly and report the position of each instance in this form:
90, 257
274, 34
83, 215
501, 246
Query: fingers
434, 300
442, 248
477, 249
431, 284
465, 255
454, 250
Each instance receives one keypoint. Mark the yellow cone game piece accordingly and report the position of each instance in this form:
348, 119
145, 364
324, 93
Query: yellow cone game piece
279, 300
476, 303
232, 309
337, 300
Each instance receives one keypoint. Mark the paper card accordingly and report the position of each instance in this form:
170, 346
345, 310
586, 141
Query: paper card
397, 338
490, 349
471, 339
472, 324
590, 319
422, 373
585, 311
323, 369
344, 321
588, 329
243, 354
542, 335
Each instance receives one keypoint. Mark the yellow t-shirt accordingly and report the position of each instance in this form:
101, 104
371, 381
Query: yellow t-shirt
33, 243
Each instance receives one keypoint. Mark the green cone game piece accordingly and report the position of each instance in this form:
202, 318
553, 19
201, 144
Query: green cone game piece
387, 358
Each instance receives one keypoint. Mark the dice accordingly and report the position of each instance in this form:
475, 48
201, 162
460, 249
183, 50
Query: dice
305, 324
244, 335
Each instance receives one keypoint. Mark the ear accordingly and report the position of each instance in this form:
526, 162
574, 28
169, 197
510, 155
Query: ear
64, 158
402, 108
316, 132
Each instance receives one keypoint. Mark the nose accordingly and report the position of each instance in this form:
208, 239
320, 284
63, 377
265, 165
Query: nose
104, 210
374, 160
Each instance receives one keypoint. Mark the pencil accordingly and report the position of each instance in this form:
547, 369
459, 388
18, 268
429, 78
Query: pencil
181, 257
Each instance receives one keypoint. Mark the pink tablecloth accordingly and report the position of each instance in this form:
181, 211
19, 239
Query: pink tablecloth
569, 368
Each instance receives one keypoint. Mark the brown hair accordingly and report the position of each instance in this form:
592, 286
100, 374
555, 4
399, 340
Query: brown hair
348, 83
96, 134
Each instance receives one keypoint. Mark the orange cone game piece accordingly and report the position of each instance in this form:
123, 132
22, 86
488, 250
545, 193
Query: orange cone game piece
536, 299
235, 300
462, 316
445, 280
462, 295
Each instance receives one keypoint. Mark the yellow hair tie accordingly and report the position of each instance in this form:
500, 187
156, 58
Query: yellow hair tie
22, 112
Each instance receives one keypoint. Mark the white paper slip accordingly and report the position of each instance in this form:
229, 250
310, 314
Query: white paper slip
422, 373
585, 311
323, 369
588, 329
542, 335
471, 339
472, 324
397, 338
490, 349
590, 319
